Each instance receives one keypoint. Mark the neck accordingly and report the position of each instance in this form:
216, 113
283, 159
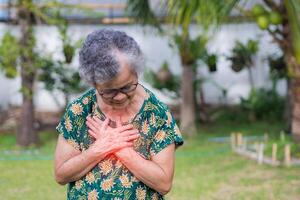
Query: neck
127, 112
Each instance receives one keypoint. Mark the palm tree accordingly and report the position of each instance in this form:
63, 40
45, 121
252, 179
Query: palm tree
290, 44
29, 14
181, 14
285, 31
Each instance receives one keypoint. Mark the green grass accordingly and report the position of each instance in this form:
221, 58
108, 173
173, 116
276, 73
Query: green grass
204, 169
212, 171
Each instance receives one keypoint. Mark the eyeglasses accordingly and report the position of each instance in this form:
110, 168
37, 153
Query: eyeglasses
111, 93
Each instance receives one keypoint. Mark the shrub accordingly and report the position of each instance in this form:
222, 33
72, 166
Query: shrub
263, 104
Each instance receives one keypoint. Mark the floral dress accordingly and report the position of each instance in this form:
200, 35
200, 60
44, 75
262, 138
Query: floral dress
110, 179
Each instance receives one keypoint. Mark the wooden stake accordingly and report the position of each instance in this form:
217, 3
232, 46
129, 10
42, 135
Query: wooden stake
245, 144
287, 155
233, 140
239, 139
260, 155
274, 153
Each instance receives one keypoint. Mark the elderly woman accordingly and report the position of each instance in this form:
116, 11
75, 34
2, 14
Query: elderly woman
117, 140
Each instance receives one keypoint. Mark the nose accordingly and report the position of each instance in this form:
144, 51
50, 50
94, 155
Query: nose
120, 96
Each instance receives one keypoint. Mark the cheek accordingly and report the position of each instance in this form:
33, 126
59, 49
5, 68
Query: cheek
130, 96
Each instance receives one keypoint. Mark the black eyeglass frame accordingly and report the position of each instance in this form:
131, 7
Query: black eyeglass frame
116, 91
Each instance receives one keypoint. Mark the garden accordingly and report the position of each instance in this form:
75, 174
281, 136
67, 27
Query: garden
228, 71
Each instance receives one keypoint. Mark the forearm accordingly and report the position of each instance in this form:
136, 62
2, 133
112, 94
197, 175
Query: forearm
147, 171
76, 167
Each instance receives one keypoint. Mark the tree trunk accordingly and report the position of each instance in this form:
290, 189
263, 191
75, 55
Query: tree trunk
288, 107
294, 94
26, 134
292, 110
295, 88
204, 117
187, 111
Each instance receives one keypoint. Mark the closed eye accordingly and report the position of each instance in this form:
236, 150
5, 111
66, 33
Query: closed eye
126, 87
110, 90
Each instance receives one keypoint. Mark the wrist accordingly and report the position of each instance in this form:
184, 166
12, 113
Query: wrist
95, 152
124, 154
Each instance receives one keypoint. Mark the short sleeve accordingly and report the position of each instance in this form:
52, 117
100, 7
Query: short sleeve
67, 126
166, 134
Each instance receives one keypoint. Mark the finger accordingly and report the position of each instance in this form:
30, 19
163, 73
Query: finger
104, 125
92, 127
94, 123
124, 128
129, 138
89, 116
98, 120
129, 132
92, 133
125, 144
122, 145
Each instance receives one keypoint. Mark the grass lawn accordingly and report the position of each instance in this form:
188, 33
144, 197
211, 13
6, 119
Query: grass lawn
204, 169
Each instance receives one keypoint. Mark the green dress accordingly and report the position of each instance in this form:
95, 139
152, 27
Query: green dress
110, 179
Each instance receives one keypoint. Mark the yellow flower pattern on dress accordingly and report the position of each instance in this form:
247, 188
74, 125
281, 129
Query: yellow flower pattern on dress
125, 181
145, 127
78, 184
107, 184
154, 196
169, 119
105, 166
160, 136
110, 179
85, 101
68, 124
152, 119
90, 178
140, 193
76, 109
93, 195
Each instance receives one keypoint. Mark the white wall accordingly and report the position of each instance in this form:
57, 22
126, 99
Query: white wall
156, 49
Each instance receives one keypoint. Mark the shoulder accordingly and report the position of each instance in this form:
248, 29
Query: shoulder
82, 106
153, 104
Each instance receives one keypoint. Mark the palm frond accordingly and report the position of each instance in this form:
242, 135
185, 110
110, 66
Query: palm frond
141, 11
203, 12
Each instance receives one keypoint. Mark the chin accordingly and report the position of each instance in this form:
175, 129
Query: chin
120, 106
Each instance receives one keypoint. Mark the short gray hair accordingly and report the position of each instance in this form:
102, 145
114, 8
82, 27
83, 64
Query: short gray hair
98, 58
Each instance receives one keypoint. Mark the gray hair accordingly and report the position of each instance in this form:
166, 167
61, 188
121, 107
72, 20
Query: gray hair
98, 57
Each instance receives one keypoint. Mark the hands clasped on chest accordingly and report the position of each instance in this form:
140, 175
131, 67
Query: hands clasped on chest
110, 140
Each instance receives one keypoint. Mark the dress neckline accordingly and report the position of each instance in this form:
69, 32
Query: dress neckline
113, 123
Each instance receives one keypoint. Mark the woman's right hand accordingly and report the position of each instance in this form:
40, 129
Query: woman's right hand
109, 140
